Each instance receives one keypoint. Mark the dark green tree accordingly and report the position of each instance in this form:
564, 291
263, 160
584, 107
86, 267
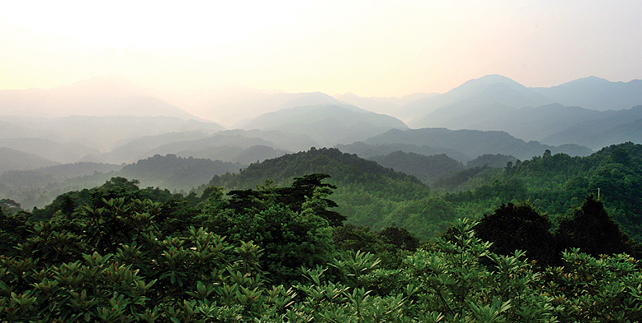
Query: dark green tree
9, 206
519, 227
304, 188
593, 230
14, 228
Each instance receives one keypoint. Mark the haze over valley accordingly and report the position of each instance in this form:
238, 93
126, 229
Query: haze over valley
108, 123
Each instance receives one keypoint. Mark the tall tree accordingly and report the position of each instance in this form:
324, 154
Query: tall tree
593, 230
513, 227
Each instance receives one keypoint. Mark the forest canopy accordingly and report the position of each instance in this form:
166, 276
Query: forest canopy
283, 253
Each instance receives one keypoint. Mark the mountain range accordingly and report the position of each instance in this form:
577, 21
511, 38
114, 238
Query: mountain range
112, 120
550, 115
98, 96
468, 144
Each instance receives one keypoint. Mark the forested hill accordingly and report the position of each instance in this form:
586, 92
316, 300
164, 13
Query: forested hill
342, 167
557, 183
368, 194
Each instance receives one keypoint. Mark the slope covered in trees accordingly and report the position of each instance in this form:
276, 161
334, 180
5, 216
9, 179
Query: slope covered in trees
119, 253
557, 183
368, 193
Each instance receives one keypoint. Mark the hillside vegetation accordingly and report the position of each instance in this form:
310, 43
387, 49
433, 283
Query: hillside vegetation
36, 188
280, 253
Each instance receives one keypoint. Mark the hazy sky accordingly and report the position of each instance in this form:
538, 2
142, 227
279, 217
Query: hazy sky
371, 48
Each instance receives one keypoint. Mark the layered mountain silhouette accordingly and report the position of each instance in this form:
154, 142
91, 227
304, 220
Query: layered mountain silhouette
98, 96
586, 112
484, 98
49, 149
326, 124
470, 143
110, 119
102, 133
231, 145
425, 168
609, 128
595, 93
385, 105
12, 159
233, 104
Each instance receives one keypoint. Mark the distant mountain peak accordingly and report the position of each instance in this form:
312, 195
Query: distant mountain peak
98, 96
588, 80
495, 78
475, 86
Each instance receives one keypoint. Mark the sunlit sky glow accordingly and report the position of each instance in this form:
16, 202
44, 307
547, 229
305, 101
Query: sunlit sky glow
371, 48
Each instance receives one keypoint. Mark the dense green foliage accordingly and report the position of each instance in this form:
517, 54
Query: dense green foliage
496, 161
590, 228
268, 254
557, 185
279, 251
376, 197
367, 194
520, 227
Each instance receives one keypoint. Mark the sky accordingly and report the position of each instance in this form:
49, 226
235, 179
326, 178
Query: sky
370, 48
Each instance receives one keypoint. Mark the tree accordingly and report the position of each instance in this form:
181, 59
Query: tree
9, 206
14, 228
593, 230
519, 227
306, 187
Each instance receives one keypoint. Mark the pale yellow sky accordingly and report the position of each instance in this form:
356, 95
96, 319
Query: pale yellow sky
371, 48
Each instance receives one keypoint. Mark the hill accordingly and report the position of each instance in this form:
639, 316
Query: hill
558, 183
494, 161
554, 115
98, 96
472, 143
364, 150
103, 133
232, 145
38, 187
425, 168
368, 194
595, 93
384, 105
326, 124
473, 101
175, 173
49, 149
142, 147
12, 159
44, 176
537, 123
342, 167
610, 127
